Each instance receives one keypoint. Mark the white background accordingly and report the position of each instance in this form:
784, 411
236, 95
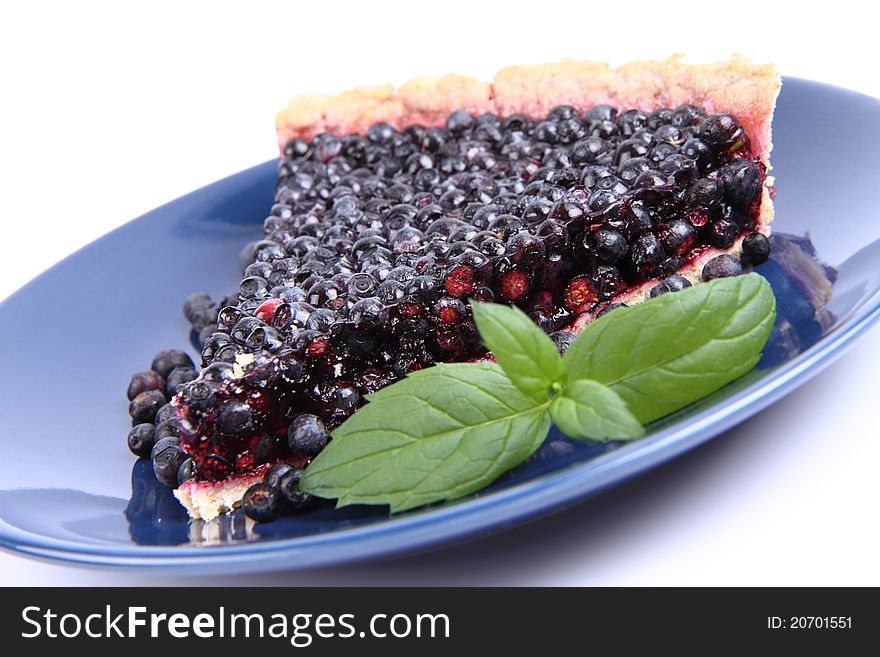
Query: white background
108, 110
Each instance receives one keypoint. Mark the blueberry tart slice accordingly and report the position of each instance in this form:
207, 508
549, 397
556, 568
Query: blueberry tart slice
568, 189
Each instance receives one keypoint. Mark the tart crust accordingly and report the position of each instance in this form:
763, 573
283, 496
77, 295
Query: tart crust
736, 86
206, 500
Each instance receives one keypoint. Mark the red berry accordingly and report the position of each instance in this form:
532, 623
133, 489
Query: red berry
449, 311
514, 285
266, 310
318, 348
579, 294
460, 281
698, 217
411, 310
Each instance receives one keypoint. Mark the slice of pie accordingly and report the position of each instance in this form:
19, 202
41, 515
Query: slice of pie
566, 189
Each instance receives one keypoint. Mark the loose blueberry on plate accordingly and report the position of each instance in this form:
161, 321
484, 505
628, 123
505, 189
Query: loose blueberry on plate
167, 360
167, 428
143, 408
167, 462
755, 249
177, 377
166, 412
288, 487
141, 439
144, 381
275, 472
261, 502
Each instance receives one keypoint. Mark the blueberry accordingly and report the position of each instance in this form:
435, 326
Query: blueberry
167, 360
742, 182
166, 412
199, 395
459, 121
658, 118
307, 435
647, 253
177, 377
721, 267
610, 245
722, 233
562, 340
170, 427
671, 284
601, 113
346, 399
755, 249
288, 487
261, 502
588, 151
167, 462
677, 236
205, 334
686, 115
141, 439
630, 121
162, 443
275, 472
360, 286
143, 381
296, 148
380, 133
600, 200
186, 471
236, 418
143, 408
525, 250
705, 192
696, 150
720, 131
200, 311
369, 313
253, 287
609, 308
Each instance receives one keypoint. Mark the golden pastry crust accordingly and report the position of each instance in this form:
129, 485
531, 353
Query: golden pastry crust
737, 86
207, 500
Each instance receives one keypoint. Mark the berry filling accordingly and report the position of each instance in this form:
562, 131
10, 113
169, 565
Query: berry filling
376, 242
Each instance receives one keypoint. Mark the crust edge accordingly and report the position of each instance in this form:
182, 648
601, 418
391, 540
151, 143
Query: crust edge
738, 86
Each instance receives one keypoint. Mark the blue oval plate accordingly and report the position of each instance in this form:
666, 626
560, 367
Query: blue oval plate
70, 490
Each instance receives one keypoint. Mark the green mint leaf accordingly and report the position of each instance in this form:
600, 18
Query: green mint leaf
525, 353
439, 434
672, 350
587, 409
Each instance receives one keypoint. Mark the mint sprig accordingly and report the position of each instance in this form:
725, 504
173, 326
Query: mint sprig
677, 348
449, 430
588, 409
440, 433
525, 353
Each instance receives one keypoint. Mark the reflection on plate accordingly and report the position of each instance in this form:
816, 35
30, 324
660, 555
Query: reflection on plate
71, 338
